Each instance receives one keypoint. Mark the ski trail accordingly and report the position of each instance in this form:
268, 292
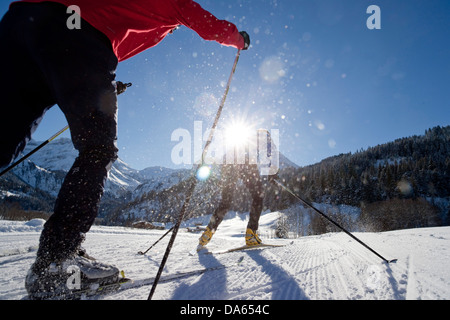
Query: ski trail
376, 279
17, 257
407, 279
418, 287
338, 268
334, 275
309, 263
17, 251
16, 268
324, 267
265, 279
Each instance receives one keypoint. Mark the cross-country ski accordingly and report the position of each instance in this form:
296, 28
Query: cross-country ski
247, 248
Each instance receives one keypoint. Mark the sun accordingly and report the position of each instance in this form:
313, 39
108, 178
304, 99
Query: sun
238, 133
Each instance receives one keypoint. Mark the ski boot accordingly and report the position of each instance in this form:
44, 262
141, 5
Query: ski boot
204, 239
75, 277
251, 238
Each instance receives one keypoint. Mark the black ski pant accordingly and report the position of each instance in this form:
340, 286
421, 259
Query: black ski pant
44, 63
230, 174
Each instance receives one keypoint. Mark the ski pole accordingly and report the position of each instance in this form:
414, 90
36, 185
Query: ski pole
157, 241
33, 151
193, 182
331, 220
222, 104
165, 234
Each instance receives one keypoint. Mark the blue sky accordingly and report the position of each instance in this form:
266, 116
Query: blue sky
315, 72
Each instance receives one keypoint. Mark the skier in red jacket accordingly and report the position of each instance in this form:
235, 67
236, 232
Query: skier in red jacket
46, 60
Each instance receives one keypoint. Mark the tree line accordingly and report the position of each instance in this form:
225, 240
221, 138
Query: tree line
405, 182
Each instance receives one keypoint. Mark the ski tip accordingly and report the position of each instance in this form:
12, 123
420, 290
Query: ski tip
201, 249
198, 251
390, 261
125, 280
393, 261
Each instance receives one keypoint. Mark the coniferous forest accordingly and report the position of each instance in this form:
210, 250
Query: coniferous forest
397, 185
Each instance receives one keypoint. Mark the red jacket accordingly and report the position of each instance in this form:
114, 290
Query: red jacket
136, 25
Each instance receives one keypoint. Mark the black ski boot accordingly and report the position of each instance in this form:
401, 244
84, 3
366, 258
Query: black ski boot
74, 278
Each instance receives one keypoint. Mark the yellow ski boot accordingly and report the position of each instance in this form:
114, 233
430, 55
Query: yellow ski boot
251, 238
205, 238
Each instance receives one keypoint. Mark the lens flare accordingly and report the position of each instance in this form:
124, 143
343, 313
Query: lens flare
238, 133
203, 173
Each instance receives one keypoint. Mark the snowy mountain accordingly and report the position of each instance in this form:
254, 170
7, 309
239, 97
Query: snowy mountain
55, 156
158, 178
59, 156
331, 266
46, 169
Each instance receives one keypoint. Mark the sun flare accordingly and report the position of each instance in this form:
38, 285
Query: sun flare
238, 133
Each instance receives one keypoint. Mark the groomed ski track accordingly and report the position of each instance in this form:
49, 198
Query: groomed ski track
326, 267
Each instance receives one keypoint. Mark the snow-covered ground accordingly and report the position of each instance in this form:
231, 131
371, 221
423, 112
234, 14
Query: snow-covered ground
331, 266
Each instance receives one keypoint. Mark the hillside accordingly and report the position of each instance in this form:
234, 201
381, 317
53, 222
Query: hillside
417, 166
408, 172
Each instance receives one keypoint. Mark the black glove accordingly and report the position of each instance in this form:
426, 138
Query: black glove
122, 87
246, 39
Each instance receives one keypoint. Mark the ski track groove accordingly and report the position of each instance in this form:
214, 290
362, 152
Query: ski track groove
343, 268
411, 288
328, 273
308, 263
414, 284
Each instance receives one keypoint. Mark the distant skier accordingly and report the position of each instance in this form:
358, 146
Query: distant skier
247, 167
52, 55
